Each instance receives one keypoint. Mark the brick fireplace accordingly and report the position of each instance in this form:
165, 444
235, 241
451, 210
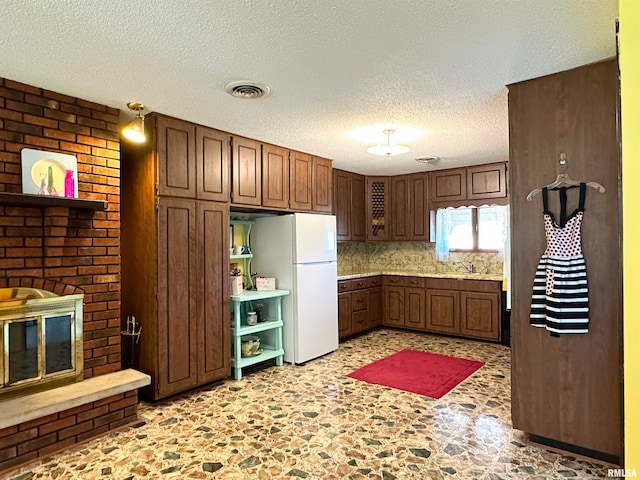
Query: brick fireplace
65, 250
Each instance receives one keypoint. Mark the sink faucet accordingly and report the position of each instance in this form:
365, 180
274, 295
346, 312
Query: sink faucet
469, 267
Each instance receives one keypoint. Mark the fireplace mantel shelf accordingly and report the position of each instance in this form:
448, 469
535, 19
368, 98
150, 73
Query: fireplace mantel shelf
25, 199
37, 405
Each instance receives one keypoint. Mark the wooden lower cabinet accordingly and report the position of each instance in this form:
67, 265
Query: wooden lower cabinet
344, 314
176, 320
212, 292
375, 307
443, 312
181, 296
359, 311
414, 309
393, 306
468, 308
359, 306
479, 315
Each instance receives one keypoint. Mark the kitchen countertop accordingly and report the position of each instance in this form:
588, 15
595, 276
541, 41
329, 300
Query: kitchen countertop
452, 275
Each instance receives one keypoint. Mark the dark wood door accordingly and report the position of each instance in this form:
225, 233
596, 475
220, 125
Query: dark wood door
246, 172
378, 200
342, 204
213, 164
414, 309
275, 177
393, 306
344, 314
399, 208
176, 150
487, 181
479, 315
419, 206
300, 173
443, 313
177, 326
322, 186
567, 388
213, 292
375, 306
358, 208
448, 185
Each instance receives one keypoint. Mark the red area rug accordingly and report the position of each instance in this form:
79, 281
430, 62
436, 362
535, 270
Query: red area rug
424, 373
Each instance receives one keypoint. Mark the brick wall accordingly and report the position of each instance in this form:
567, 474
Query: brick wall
73, 247
65, 250
25, 442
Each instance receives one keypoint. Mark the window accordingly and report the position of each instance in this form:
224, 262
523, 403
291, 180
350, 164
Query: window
470, 229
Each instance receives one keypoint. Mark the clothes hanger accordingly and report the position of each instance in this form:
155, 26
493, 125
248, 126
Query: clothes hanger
563, 180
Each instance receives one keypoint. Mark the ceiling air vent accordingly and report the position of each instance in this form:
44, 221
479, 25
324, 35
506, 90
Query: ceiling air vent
247, 89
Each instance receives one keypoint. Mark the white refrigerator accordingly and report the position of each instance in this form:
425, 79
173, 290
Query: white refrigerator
299, 250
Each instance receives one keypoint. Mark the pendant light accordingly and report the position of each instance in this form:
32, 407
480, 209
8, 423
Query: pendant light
389, 149
134, 130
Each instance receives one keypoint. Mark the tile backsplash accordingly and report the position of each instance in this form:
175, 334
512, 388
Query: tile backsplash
409, 257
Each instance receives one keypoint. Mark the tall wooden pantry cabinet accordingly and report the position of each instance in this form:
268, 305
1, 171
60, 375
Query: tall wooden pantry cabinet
567, 389
175, 254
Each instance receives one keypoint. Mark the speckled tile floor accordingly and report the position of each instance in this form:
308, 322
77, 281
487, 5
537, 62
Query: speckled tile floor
314, 422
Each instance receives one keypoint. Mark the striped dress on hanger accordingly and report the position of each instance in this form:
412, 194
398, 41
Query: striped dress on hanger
560, 300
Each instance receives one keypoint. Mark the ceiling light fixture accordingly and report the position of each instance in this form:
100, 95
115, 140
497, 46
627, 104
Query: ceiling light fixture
134, 130
389, 149
429, 159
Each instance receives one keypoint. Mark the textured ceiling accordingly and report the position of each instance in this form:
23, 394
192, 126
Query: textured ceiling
335, 67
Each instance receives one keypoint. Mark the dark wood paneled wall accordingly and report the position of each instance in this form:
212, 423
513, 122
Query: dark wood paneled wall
568, 388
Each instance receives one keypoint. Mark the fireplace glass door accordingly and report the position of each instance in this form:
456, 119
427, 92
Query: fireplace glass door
40, 340
38, 347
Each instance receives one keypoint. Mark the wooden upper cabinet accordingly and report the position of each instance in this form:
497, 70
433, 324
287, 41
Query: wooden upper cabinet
399, 205
300, 173
419, 206
246, 172
176, 153
342, 204
448, 185
322, 185
487, 181
212, 164
358, 208
275, 177
349, 206
378, 200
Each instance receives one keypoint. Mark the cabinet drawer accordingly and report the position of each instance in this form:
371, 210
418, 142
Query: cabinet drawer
359, 300
359, 321
373, 282
393, 281
488, 286
344, 286
358, 283
417, 282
